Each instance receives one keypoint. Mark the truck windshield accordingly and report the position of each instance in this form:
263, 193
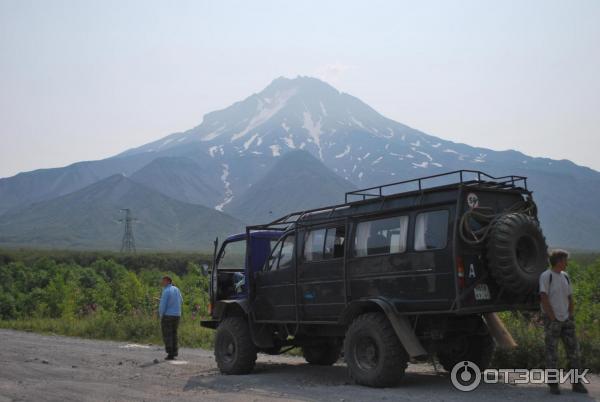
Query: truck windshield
233, 256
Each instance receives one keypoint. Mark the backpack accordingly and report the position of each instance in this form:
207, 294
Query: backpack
550, 280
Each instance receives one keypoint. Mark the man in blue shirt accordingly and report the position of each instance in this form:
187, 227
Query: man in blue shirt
169, 311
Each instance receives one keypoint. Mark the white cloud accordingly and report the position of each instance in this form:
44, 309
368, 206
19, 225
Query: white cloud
333, 72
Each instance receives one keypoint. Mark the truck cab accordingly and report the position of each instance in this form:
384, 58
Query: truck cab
233, 264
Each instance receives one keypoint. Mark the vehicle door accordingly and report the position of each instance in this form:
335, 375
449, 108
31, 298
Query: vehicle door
229, 270
321, 289
275, 296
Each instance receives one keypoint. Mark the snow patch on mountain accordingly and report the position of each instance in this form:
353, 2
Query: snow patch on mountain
425, 154
212, 135
323, 110
357, 122
480, 158
346, 152
265, 110
289, 141
275, 150
227, 185
216, 149
165, 142
250, 141
314, 131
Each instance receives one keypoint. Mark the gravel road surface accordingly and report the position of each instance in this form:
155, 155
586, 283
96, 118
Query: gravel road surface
56, 368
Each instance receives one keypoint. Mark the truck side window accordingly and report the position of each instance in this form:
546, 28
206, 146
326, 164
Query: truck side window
272, 262
233, 255
324, 244
381, 236
287, 253
431, 230
334, 242
313, 246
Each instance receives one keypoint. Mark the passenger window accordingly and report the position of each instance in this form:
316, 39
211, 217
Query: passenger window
272, 263
334, 242
381, 236
431, 230
324, 244
313, 246
287, 253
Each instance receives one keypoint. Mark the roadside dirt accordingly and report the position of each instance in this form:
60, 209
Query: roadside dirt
55, 368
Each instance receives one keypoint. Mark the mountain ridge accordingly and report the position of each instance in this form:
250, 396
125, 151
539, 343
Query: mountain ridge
89, 218
238, 146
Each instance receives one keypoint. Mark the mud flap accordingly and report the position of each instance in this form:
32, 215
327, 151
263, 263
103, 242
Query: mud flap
498, 331
403, 330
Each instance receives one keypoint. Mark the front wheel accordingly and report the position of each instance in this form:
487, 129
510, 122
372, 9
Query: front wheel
373, 352
235, 352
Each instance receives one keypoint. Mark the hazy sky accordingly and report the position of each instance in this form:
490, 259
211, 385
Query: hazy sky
85, 80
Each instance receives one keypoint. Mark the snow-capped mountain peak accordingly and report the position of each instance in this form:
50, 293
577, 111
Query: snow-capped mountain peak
352, 139
245, 158
300, 113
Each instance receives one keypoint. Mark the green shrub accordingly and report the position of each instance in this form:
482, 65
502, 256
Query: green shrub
113, 296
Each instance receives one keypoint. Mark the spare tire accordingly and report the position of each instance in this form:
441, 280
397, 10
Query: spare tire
517, 252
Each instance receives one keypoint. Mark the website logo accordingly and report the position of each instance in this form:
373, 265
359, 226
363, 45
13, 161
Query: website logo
465, 376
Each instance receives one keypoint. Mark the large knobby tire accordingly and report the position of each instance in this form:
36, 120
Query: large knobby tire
517, 253
322, 354
475, 348
373, 352
235, 352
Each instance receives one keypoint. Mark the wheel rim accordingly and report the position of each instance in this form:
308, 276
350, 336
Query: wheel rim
526, 253
228, 348
366, 353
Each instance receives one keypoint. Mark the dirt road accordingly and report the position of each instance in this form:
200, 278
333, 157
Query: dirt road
55, 368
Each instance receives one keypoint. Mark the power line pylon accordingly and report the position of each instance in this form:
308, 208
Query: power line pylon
128, 243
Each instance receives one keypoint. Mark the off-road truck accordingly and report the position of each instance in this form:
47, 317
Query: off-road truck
397, 272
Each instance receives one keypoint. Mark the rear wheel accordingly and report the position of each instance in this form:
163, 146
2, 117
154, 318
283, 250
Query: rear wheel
322, 354
373, 353
235, 352
476, 348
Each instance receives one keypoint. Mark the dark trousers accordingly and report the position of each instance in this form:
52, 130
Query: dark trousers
169, 325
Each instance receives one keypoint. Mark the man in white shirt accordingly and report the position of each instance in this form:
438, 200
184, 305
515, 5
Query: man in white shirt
557, 308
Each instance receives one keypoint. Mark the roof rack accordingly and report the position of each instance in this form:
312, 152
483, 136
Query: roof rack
464, 176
